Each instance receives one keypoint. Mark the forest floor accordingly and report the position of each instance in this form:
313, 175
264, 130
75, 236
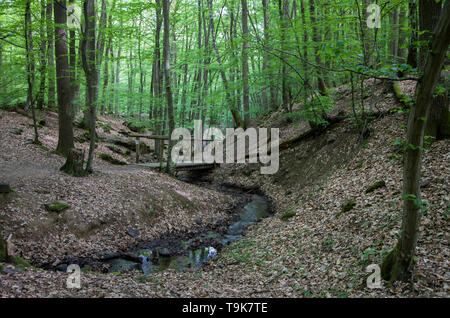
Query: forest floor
319, 252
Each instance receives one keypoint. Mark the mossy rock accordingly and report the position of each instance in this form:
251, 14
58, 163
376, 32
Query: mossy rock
347, 207
375, 186
110, 159
288, 214
57, 206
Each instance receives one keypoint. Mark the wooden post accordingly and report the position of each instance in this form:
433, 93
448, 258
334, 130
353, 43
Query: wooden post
161, 154
137, 149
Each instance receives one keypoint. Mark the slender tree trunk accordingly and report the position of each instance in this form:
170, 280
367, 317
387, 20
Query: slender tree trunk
232, 106
51, 103
119, 54
412, 49
399, 264
167, 79
283, 7
65, 137
438, 125
90, 67
317, 41
30, 65
42, 60
245, 68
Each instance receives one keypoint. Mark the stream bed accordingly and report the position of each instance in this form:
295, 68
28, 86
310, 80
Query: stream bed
159, 258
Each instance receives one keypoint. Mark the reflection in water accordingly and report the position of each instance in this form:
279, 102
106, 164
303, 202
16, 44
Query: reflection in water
157, 260
157, 263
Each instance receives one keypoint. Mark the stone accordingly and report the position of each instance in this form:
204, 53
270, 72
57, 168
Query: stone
198, 220
164, 252
133, 233
5, 188
57, 206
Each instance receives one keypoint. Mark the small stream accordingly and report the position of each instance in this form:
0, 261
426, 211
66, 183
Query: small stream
158, 258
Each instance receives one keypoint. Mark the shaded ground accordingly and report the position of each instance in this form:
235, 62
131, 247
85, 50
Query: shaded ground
319, 252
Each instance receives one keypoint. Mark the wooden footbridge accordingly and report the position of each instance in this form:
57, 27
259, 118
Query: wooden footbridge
186, 166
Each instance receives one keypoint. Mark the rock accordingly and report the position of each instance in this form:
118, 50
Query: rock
198, 220
8, 270
5, 188
62, 267
331, 139
57, 206
164, 252
133, 233
17, 131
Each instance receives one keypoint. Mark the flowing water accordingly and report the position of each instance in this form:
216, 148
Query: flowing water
159, 259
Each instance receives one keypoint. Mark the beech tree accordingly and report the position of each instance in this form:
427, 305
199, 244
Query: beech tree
399, 264
65, 136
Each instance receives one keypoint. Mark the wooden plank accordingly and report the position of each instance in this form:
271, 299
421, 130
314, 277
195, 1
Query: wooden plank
157, 137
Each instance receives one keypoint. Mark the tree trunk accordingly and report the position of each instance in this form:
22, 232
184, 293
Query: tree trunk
438, 123
42, 60
51, 103
232, 106
91, 58
30, 66
65, 137
167, 79
317, 40
398, 265
245, 69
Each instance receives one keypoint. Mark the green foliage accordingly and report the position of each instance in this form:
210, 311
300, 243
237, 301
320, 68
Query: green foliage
421, 204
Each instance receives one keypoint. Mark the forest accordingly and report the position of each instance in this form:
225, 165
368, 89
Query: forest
114, 117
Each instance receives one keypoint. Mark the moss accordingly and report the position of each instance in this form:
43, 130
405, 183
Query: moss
43, 147
110, 159
57, 206
1, 267
375, 186
347, 207
20, 263
105, 126
288, 214
80, 124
